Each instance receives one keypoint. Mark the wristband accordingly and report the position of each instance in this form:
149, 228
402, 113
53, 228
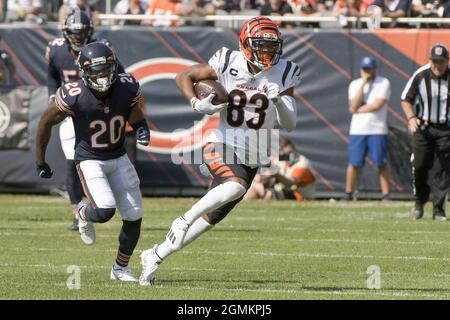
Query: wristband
193, 101
141, 123
411, 117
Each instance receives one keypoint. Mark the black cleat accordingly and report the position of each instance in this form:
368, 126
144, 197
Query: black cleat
416, 212
74, 226
439, 216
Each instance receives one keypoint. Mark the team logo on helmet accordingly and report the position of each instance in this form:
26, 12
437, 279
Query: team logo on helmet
98, 66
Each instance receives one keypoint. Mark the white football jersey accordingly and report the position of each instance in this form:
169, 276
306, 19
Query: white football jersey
248, 122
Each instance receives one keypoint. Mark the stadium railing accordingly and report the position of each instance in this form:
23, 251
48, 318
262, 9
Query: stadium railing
234, 21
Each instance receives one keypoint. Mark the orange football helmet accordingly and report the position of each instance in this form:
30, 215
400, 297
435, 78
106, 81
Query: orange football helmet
260, 42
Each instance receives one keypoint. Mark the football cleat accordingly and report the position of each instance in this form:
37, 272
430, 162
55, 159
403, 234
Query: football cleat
122, 274
416, 212
85, 228
150, 263
177, 232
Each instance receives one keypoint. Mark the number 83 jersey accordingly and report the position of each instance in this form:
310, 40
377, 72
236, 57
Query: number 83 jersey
247, 123
99, 123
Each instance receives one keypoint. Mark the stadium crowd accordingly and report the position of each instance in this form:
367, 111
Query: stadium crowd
40, 11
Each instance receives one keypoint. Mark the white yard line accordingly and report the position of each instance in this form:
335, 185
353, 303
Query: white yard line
263, 254
246, 239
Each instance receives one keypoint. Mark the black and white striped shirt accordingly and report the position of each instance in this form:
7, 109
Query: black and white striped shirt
429, 95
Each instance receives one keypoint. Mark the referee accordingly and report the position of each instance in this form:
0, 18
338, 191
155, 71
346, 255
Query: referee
427, 90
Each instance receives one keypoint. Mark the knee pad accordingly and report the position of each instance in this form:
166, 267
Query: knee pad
104, 215
131, 213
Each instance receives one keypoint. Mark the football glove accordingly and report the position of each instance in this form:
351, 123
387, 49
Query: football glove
273, 92
44, 171
143, 136
205, 105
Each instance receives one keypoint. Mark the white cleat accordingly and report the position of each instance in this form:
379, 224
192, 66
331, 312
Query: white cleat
122, 274
85, 228
177, 233
150, 263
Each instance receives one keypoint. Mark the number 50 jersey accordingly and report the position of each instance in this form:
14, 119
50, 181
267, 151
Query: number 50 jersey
247, 123
99, 123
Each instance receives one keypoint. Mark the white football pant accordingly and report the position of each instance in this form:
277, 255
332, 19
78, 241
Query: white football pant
113, 184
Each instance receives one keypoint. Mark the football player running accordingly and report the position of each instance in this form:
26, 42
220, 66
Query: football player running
261, 88
99, 106
61, 55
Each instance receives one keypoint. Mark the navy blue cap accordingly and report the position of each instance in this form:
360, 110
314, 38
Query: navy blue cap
439, 52
368, 63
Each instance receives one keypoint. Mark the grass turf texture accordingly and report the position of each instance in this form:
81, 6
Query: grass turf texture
262, 250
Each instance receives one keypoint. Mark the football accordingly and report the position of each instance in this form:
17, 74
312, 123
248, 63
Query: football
205, 87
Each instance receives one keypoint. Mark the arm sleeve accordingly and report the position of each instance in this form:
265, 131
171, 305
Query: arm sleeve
287, 112
64, 102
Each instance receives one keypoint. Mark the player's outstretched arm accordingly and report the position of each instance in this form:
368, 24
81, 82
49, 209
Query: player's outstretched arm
49, 118
285, 105
185, 79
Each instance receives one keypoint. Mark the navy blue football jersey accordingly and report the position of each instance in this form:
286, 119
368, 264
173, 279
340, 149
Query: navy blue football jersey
62, 64
99, 123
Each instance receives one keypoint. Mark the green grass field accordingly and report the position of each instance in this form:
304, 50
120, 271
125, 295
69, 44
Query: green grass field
263, 250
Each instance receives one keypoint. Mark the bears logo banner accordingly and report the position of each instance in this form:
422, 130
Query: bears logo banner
14, 118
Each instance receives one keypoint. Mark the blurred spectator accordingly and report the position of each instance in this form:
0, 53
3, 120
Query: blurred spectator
393, 9
427, 8
293, 180
278, 8
167, 7
367, 98
23, 10
83, 5
253, 4
227, 5
53, 9
203, 8
130, 7
430, 9
308, 8
324, 6
349, 8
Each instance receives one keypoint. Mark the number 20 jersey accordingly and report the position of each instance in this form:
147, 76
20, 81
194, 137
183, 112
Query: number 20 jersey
247, 123
99, 124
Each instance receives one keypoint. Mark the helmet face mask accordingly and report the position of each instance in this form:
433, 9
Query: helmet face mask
266, 53
77, 29
98, 66
100, 77
260, 42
